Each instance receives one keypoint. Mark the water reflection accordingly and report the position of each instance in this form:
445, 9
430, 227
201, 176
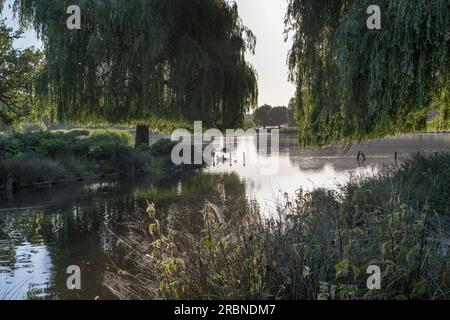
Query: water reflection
42, 232
38, 244
327, 167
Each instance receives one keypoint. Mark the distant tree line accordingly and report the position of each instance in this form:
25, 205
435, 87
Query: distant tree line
267, 115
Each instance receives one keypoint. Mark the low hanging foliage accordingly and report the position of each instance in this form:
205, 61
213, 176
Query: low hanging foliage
354, 83
18, 71
140, 60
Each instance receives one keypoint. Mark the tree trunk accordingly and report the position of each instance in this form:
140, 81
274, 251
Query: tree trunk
142, 135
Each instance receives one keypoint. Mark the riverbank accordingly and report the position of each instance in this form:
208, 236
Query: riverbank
317, 245
45, 158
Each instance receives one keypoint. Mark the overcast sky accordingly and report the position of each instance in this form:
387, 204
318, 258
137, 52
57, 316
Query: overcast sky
30, 38
266, 19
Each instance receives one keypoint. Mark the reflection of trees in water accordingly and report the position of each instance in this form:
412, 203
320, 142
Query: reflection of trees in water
227, 190
20, 239
15, 230
72, 236
81, 233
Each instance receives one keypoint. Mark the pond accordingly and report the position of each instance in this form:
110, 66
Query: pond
42, 232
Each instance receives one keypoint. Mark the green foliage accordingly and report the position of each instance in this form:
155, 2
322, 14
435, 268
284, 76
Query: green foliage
141, 60
278, 116
355, 83
75, 142
162, 147
18, 71
53, 147
79, 133
30, 170
271, 116
29, 158
248, 122
119, 136
438, 125
291, 113
441, 104
316, 246
261, 115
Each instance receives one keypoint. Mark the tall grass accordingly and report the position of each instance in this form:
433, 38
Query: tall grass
316, 246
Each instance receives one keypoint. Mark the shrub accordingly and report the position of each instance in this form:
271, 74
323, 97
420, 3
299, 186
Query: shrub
53, 147
119, 136
30, 142
79, 133
141, 159
68, 153
107, 149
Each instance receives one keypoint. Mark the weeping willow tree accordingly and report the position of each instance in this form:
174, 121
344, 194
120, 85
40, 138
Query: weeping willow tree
140, 61
354, 83
18, 71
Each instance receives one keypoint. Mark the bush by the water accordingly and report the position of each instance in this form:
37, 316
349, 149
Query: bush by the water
76, 142
162, 147
316, 246
28, 158
28, 171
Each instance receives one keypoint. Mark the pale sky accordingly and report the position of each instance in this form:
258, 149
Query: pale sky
266, 19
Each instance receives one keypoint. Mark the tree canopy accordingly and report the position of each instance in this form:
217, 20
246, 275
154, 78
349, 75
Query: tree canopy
139, 60
261, 115
354, 83
267, 115
278, 116
18, 72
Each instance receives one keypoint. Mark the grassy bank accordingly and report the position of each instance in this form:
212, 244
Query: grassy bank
29, 159
316, 246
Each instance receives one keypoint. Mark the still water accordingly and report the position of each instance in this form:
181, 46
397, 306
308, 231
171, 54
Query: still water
42, 232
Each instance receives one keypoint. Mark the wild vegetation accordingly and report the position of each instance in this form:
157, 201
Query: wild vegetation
354, 83
316, 246
27, 159
271, 116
